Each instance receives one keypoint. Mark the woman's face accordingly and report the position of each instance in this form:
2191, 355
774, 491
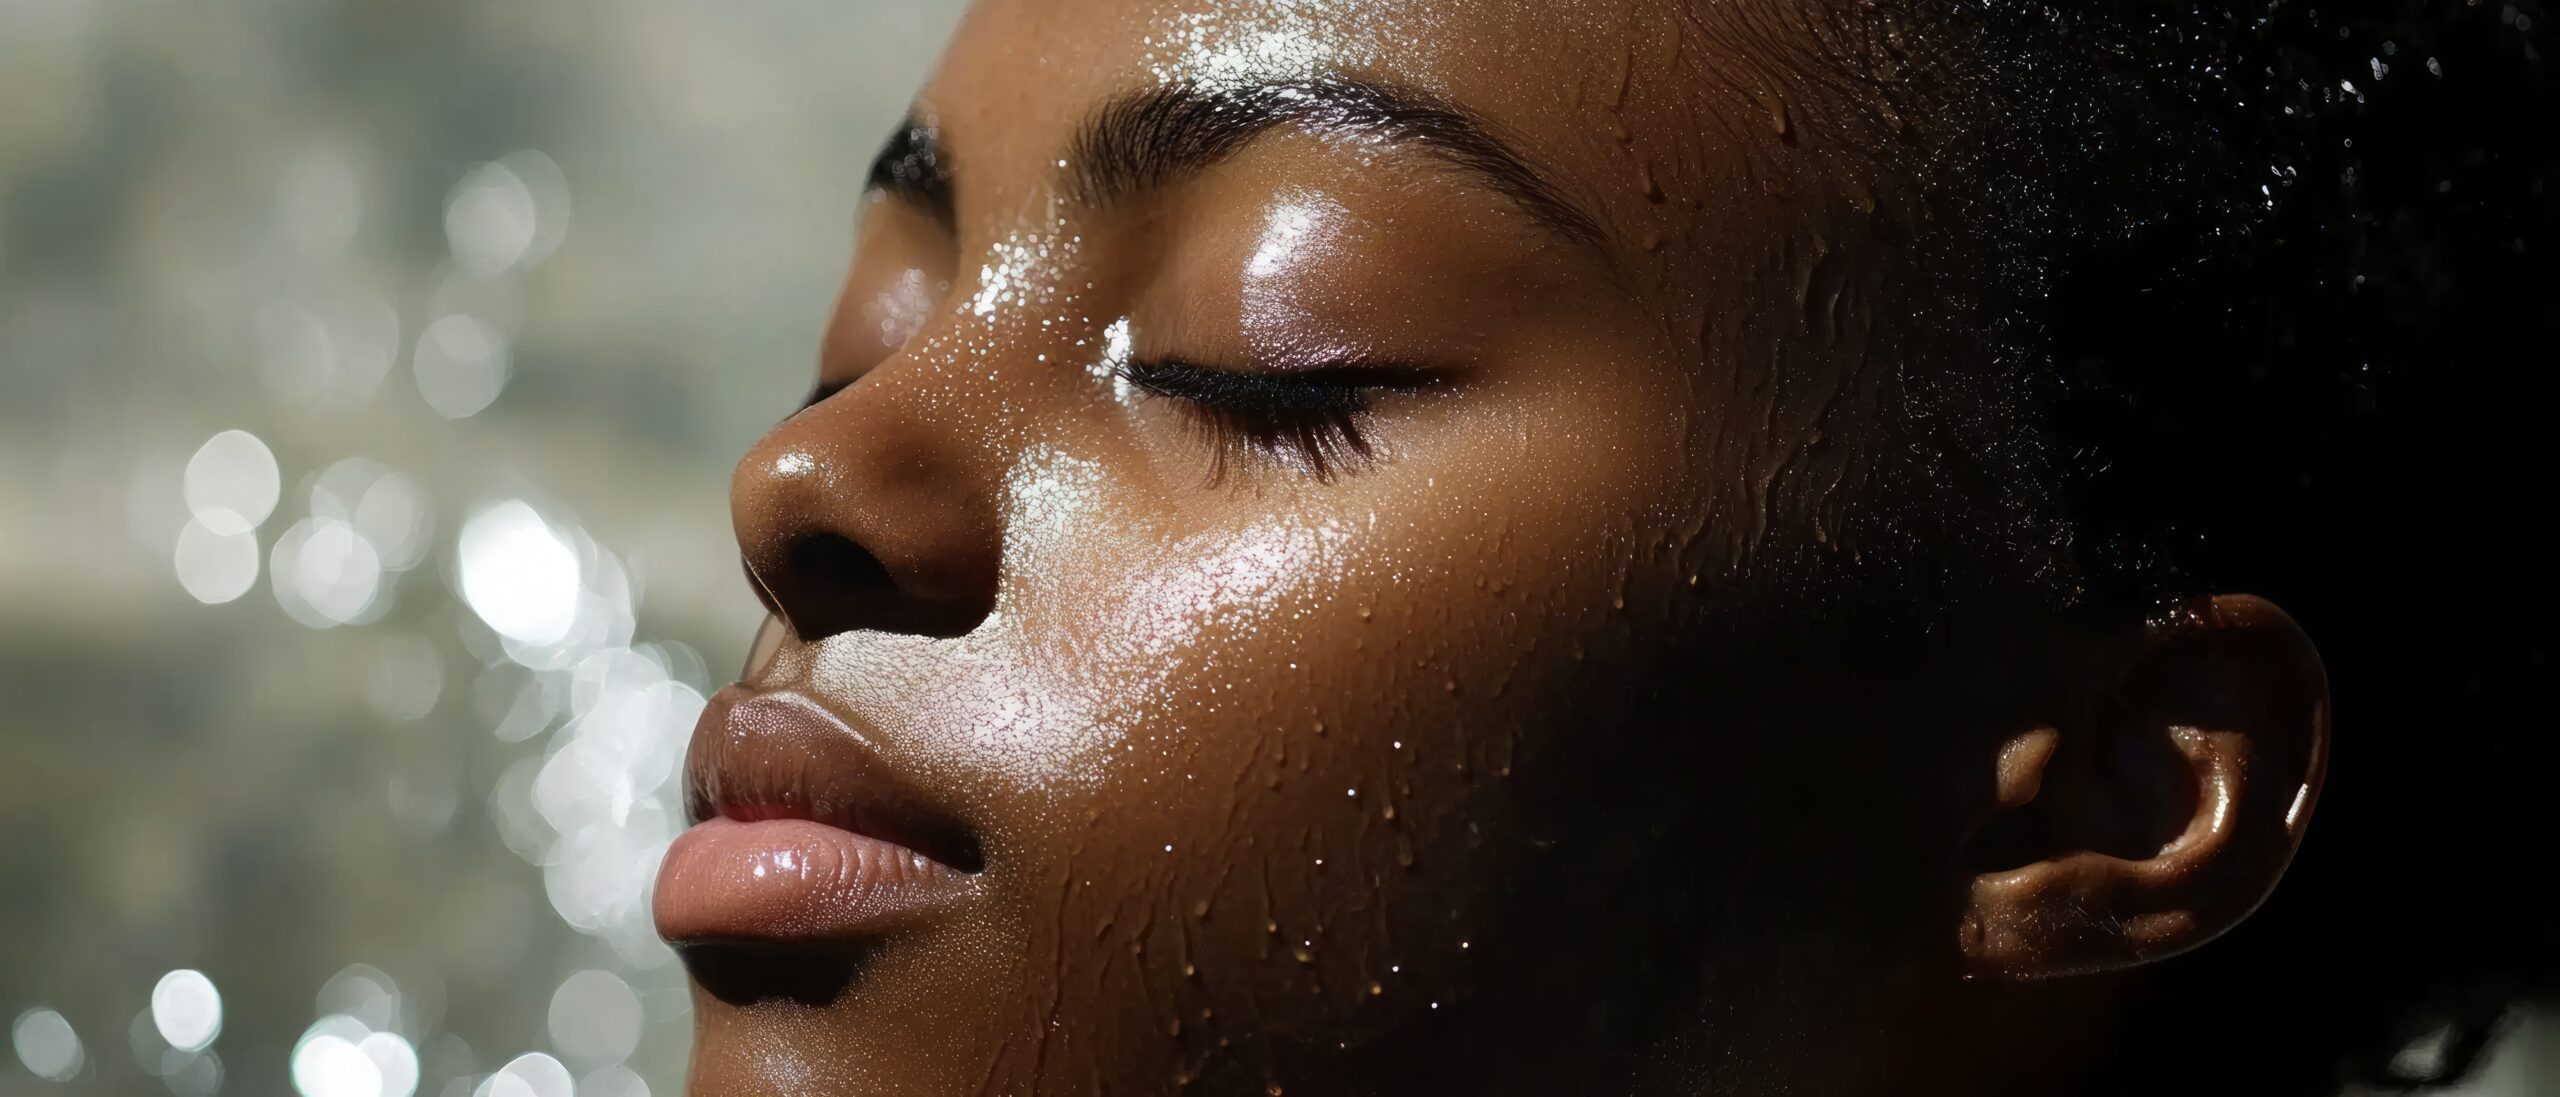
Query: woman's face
1241, 554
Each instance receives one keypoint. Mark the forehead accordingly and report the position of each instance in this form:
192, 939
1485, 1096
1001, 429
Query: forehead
1566, 81
1445, 46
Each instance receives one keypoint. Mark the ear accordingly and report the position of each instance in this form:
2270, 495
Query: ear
2164, 809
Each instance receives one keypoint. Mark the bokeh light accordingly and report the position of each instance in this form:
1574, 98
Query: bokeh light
363, 994
461, 365
490, 220
519, 574
46, 1045
394, 1062
216, 567
532, 1074
595, 1019
329, 1061
232, 483
196, 1075
186, 1009
325, 573
613, 1081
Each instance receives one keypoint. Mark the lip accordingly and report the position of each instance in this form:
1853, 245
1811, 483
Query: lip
802, 832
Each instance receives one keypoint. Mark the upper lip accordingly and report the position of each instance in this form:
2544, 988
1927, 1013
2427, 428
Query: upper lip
779, 755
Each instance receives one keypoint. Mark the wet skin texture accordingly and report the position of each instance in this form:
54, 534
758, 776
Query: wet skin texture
1476, 695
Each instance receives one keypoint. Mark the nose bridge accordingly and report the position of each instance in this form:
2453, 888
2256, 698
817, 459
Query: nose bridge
881, 506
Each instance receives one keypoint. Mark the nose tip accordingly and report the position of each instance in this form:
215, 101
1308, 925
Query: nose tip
852, 517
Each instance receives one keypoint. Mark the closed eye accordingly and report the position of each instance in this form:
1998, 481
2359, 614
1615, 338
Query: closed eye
1313, 419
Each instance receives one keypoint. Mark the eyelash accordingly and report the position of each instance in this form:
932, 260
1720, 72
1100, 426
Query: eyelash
1315, 418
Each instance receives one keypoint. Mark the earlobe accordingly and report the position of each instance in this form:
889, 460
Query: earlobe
2164, 815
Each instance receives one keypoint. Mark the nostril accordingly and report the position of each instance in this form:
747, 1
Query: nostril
824, 584
837, 565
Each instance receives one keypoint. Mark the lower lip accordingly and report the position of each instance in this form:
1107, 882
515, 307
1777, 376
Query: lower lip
792, 880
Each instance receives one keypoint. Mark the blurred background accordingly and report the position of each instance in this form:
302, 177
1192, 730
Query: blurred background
370, 374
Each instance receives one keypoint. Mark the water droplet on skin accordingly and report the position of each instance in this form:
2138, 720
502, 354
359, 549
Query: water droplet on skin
1375, 990
1303, 955
1199, 910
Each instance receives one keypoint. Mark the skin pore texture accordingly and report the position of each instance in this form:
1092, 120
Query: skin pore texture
1339, 511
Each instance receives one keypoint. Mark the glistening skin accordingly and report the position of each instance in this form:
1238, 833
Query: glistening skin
1332, 553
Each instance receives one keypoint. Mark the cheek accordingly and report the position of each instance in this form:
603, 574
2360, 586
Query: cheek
1252, 754
1121, 645
1299, 734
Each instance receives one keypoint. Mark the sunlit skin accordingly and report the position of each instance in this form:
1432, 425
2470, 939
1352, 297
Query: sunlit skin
1469, 725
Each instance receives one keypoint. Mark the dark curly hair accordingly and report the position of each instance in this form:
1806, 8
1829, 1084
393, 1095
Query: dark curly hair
2293, 293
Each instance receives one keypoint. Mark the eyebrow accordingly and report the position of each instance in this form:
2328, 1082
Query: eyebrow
1156, 137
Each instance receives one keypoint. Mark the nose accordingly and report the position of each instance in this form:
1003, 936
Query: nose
865, 511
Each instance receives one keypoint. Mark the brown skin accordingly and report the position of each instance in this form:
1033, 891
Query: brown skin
1482, 763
